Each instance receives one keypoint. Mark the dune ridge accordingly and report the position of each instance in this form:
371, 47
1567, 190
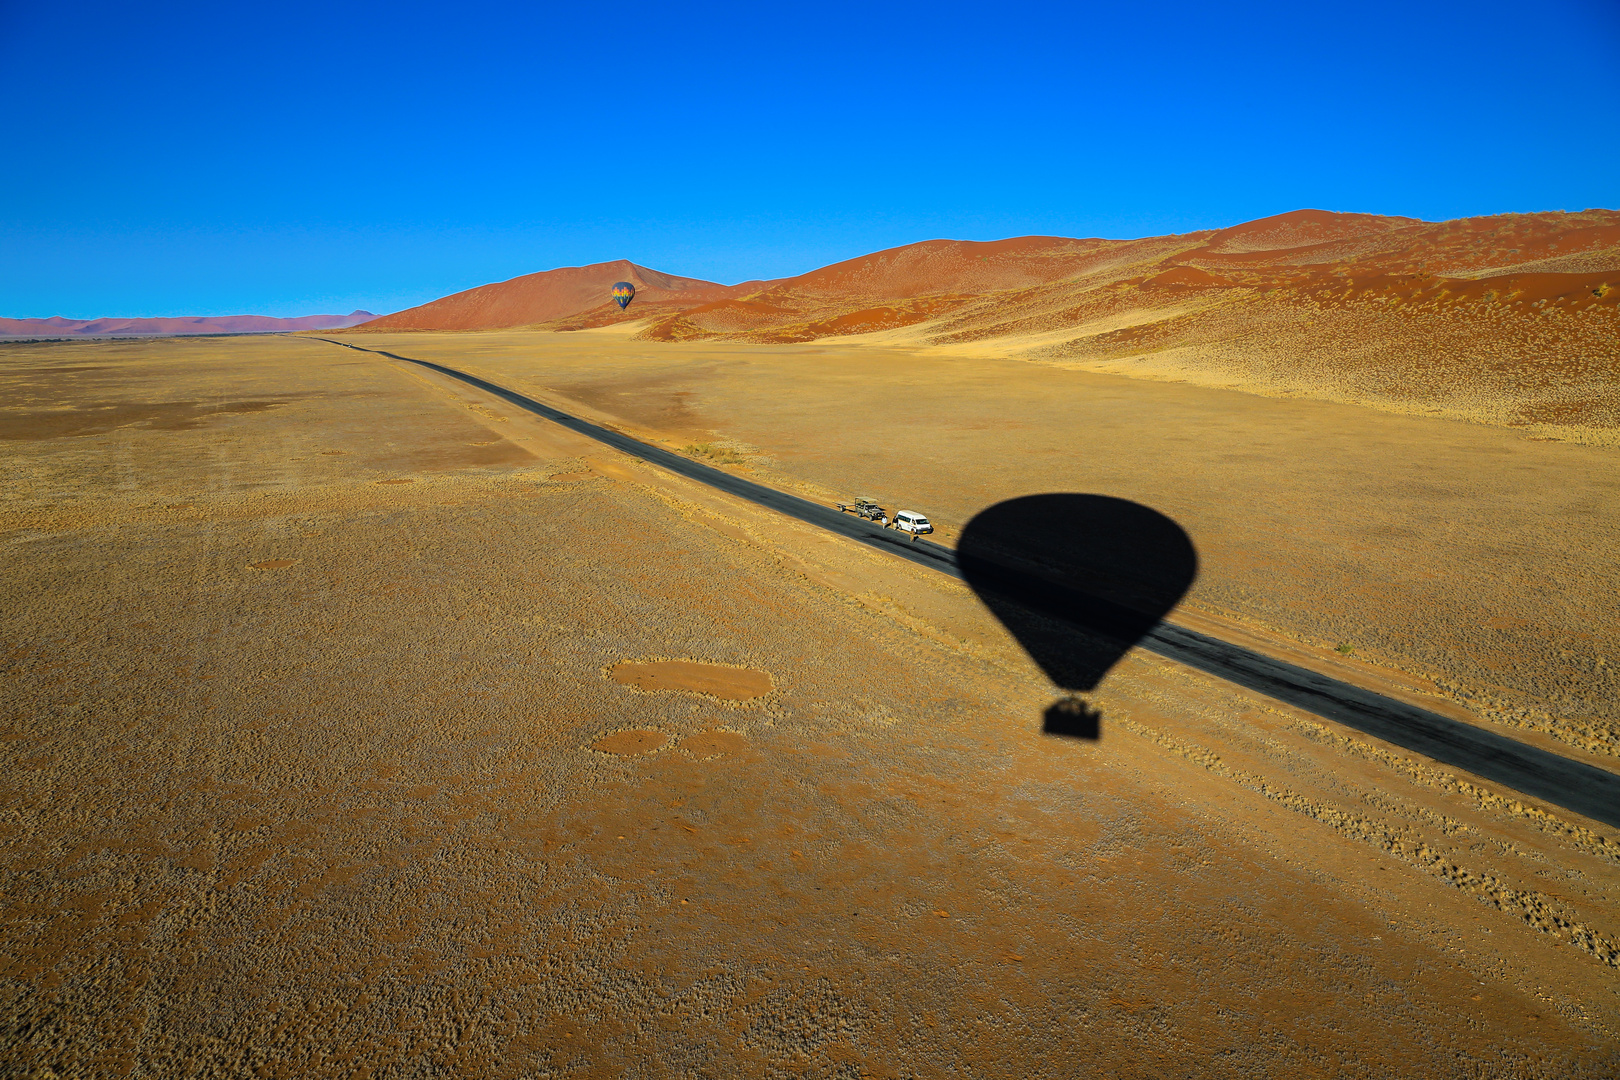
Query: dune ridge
955, 291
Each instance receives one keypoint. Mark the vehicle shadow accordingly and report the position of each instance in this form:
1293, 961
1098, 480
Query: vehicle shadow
1078, 580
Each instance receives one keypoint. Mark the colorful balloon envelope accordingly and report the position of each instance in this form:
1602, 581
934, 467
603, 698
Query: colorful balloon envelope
623, 293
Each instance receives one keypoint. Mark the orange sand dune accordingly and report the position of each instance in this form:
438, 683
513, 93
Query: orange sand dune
557, 294
948, 266
1510, 319
1302, 228
908, 285
952, 291
942, 289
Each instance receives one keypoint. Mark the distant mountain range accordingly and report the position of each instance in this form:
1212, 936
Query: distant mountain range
201, 324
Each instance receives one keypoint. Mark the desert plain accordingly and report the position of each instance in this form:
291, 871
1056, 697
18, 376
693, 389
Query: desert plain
358, 724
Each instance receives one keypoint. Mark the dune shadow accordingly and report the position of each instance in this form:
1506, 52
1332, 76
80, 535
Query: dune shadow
1078, 580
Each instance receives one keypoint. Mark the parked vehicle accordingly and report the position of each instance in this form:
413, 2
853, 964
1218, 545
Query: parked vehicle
912, 522
865, 508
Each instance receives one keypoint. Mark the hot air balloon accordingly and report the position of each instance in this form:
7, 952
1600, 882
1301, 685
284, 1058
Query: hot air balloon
623, 293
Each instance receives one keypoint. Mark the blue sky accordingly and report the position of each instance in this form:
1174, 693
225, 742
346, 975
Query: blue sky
290, 158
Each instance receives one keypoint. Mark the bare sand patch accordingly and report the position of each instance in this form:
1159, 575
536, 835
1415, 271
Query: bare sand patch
628, 743
99, 418
715, 680
714, 743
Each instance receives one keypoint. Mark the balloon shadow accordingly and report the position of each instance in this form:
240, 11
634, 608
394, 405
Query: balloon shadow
1078, 580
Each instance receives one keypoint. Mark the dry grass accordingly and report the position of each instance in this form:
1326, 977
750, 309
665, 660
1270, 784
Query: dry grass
308, 774
1474, 557
718, 455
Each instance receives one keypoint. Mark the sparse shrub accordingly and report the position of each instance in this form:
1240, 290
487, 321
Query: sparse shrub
720, 455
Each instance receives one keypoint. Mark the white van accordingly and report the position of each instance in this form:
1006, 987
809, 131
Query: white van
912, 522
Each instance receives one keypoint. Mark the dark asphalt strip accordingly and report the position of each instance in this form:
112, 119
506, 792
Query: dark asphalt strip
1576, 786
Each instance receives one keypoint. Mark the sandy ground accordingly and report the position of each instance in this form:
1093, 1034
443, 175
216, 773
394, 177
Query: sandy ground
1477, 559
356, 725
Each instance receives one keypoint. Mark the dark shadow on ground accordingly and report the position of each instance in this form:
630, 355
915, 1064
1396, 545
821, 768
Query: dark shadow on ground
1078, 580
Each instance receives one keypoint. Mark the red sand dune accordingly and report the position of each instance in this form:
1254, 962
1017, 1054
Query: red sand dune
557, 294
946, 266
201, 324
954, 290
1302, 228
904, 286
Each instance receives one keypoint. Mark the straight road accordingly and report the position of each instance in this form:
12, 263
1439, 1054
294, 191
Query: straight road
1573, 785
